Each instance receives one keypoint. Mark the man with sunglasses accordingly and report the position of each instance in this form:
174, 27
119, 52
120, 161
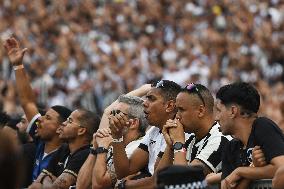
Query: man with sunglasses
63, 168
195, 116
159, 106
236, 111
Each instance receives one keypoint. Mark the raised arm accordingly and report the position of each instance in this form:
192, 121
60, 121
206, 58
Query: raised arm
24, 90
141, 91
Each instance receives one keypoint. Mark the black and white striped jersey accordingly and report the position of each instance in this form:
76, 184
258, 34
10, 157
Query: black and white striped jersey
209, 149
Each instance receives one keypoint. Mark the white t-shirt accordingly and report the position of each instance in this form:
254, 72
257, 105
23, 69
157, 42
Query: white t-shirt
153, 143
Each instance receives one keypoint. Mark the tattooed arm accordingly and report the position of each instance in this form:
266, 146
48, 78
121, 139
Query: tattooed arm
64, 181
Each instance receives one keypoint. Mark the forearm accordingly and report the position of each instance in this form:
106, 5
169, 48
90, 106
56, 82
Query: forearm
144, 183
47, 183
243, 184
141, 91
180, 158
121, 161
25, 92
254, 173
166, 160
100, 175
84, 180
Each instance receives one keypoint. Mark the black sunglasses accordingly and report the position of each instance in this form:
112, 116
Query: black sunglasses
159, 84
192, 88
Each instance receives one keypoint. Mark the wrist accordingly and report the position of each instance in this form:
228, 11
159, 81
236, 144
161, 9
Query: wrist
117, 140
18, 66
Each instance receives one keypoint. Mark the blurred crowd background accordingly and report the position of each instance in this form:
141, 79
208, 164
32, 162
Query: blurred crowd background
84, 53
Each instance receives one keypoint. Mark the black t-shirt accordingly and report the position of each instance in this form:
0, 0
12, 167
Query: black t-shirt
64, 162
266, 134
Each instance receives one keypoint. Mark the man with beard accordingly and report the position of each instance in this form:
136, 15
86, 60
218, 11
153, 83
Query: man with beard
46, 140
236, 111
63, 168
159, 106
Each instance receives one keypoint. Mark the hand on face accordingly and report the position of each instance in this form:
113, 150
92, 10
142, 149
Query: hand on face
117, 124
176, 132
169, 124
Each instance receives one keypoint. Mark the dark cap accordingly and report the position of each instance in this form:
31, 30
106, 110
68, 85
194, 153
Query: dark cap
177, 176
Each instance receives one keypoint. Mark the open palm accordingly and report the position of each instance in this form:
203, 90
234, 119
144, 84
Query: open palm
14, 52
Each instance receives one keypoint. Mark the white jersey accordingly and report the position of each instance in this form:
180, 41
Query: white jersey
153, 142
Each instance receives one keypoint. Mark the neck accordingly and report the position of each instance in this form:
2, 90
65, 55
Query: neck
204, 127
76, 144
169, 116
130, 136
52, 145
244, 129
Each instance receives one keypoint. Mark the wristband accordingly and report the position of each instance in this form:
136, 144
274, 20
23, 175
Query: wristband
181, 150
43, 177
93, 151
100, 150
18, 67
115, 140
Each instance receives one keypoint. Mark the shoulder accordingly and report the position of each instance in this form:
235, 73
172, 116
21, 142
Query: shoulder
263, 124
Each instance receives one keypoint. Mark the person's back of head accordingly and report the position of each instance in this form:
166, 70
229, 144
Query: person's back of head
203, 95
10, 162
242, 94
63, 112
90, 121
135, 110
169, 89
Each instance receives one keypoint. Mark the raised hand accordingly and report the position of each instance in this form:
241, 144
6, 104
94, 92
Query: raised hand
14, 52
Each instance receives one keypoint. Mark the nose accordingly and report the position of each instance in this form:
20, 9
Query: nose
40, 118
178, 116
145, 103
63, 124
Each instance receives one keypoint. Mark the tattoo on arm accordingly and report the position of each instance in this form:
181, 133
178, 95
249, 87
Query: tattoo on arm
64, 181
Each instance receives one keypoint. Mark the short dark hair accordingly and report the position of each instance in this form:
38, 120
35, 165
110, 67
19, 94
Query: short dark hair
169, 89
63, 112
205, 94
90, 121
242, 94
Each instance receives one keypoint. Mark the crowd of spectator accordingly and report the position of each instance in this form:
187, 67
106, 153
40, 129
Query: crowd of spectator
86, 53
